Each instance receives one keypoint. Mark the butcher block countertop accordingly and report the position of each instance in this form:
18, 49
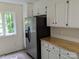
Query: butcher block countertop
69, 45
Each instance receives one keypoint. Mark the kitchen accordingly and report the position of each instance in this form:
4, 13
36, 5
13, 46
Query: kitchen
62, 18
59, 39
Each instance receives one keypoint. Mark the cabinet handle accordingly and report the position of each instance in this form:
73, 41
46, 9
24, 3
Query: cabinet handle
66, 24
67, 1
67, 53
46, 7
47, 49
55, 22
53, 48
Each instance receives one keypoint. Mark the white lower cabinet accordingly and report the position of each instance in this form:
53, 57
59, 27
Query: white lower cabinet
50, 51
64, 57
53, 52
44, 50
65, 54
44, 54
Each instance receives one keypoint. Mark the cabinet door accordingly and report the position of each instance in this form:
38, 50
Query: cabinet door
65, 54
53, 52
50, 12
42, 7
35, 8
61, 13
44, 53
74, 13
44, 50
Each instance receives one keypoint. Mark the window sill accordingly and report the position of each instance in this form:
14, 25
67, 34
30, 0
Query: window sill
10, 34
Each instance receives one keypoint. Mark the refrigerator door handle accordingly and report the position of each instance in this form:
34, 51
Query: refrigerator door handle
29, 34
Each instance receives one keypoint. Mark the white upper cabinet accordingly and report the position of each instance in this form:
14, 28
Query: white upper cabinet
63, 13
43, 7
74, 13
51, 13
35, 8
60, 13
57, 13
40, 8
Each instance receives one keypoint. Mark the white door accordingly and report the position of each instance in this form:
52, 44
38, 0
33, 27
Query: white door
61, 13
74, 13
50, 12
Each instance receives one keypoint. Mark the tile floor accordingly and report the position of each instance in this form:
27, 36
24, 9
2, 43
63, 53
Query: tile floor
18, 55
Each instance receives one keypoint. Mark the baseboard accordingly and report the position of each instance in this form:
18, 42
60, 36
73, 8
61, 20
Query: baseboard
13, 52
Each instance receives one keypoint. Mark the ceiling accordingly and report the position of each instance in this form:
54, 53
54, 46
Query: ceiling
18, 1
31, 0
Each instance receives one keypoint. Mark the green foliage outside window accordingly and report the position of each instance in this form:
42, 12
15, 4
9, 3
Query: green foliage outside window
9, 21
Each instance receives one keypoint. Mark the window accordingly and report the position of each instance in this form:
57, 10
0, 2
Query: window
7, 23
1, 27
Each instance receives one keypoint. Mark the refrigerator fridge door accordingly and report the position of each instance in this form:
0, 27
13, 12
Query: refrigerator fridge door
31, 42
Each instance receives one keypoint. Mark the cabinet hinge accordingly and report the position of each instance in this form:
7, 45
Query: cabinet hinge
59, 55
67, 1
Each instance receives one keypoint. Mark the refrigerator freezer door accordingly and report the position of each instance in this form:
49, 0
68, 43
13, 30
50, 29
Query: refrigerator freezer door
31, 41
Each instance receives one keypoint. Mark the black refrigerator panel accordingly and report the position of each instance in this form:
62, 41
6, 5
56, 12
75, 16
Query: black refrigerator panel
42, 29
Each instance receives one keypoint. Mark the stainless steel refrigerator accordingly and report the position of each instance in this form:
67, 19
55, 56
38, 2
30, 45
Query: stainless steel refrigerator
35, 29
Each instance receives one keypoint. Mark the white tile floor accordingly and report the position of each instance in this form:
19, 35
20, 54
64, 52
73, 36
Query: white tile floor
18, 55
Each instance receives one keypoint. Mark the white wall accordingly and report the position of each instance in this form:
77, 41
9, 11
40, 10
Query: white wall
65, 33
16, 42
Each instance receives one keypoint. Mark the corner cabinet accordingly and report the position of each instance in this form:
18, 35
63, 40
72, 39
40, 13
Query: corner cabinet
50, 51
40, 7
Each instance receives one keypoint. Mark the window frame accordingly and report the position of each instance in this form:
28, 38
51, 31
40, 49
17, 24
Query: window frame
4, 23
14, 23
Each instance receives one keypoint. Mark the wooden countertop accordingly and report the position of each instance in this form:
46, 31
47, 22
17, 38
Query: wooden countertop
69, 45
